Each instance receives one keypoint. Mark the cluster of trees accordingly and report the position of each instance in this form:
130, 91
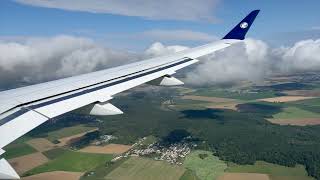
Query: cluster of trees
85, 140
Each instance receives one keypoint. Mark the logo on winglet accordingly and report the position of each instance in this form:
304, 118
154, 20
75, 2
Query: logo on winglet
244, 25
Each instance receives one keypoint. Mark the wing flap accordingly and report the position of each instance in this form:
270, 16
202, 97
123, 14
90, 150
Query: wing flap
24, 121
6, 171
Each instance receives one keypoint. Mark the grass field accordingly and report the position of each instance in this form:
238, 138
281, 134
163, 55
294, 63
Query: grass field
55, 153
149, 140
294, 113
103, 170
189, 175
145, 169
309, 105
16, 150
72, 161
275, 171
68, 131
207, 167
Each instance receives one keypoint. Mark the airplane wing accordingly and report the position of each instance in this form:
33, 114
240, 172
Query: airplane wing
23, 109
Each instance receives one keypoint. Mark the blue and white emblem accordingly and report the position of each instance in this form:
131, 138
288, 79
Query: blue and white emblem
244, 25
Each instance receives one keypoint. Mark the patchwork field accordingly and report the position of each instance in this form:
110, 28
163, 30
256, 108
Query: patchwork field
240, 95
295, 113
314, 93
215, 102
243, 176
145, 169
295, 116
55, 175
208, 99
205, 165
65, 140
17, 150
296, 122
41, 144
68, 131
273, 170
286, 98
72, 161
107, 149
25, 163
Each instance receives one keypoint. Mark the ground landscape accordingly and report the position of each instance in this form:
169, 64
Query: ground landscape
265, 131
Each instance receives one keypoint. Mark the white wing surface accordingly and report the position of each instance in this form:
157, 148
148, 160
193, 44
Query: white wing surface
23, 109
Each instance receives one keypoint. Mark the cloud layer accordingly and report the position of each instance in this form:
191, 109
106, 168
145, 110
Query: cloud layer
36, 60
42, 59
254, 60
193, 10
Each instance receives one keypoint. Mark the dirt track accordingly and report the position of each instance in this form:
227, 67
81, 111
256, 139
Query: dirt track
25, 163
244, 176
296, 122
108, 149
56, 175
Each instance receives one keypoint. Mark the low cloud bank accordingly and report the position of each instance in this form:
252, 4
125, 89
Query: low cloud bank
41, 59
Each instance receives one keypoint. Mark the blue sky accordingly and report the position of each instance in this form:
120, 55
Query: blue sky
280, 22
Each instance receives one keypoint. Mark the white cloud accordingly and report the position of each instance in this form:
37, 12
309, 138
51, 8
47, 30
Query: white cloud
158, 49
178, 35
41, 59
254, 60
193, 10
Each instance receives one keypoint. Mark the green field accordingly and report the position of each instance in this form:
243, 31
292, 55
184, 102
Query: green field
189, 175
68, 131
294, 113
103, 170
55, 153
145, 169
205, 165
308, 105
149, 140
16, 150
274, 170
72, 161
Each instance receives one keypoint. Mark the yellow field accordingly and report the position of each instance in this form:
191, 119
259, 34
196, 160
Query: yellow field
25, 163
286, 98
41, 144
108, 149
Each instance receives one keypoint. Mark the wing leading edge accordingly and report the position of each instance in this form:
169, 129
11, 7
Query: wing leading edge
23, 109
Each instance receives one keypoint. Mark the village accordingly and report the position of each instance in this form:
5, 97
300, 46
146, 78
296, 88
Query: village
173, 153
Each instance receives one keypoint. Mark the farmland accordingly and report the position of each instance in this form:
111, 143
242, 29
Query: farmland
205, 165
18, 149
72, 161
144, 169
68, 131
273, 170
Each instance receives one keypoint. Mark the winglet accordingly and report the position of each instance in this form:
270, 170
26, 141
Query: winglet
240, 31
